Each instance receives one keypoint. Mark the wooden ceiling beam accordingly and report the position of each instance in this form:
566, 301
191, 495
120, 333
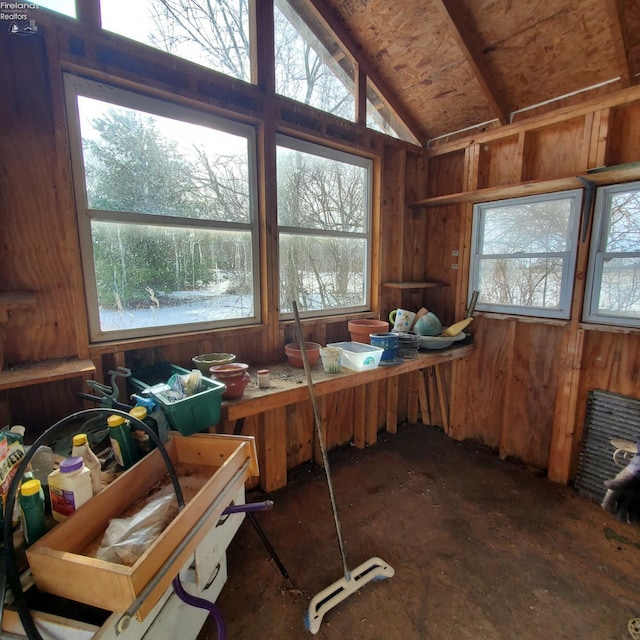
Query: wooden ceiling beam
612, 8
468, 41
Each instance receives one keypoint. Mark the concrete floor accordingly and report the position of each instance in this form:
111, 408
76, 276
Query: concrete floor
482, 549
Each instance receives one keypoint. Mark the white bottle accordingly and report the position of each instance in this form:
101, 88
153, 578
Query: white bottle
69, 488
81, 448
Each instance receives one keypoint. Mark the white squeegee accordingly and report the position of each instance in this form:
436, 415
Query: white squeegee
370, 570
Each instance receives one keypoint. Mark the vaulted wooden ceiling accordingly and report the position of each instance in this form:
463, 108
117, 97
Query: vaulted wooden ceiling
451, 65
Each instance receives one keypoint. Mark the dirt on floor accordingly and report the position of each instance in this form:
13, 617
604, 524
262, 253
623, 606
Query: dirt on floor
482, 549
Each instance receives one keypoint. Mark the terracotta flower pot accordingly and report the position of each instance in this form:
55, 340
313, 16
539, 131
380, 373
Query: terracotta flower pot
360, 329
294, 353
235, 377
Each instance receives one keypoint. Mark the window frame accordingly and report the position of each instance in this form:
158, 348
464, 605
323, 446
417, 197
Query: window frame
563, 312
75, 86
598, 256
304, 146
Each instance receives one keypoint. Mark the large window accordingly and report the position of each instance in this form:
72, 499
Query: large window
524, 254
213, 34
165, 199
613, 282
324, 221
67, 7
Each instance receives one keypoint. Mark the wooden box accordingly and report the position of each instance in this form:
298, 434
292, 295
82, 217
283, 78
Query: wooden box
216, 465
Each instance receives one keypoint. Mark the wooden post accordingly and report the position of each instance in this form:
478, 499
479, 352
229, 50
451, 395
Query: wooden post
560, 456
371, 414
273, 449
392, 404
442, 401
506, 411
359, 416
425, 413
412, 398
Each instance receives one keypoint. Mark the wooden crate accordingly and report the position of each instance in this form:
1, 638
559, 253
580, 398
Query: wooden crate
60, 562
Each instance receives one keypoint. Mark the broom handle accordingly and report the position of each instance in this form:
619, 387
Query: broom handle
319, 433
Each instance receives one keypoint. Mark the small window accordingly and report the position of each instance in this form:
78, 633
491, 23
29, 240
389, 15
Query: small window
212, 34
613, 279
524, 253
324, 221
311, 65
381, 117
165, 202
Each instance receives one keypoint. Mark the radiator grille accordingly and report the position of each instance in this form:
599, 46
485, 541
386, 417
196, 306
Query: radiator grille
609, 416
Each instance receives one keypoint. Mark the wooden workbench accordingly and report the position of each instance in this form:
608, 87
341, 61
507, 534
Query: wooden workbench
289, 387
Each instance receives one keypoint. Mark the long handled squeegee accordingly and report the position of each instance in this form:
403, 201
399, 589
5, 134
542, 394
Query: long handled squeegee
371, 569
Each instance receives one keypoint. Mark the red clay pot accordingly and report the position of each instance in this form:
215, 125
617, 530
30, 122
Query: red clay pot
360, 329
235, 377
294, 353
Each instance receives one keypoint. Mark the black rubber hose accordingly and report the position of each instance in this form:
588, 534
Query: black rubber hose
13, 573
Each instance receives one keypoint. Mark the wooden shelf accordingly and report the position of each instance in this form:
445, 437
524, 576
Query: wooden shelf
414, 285
44, 371
600, 176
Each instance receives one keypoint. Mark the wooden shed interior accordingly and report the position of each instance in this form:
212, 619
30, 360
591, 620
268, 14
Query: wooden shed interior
494, 100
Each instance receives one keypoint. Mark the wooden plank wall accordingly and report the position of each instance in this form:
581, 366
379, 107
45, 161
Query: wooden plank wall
524, 389
505, 395
41, 252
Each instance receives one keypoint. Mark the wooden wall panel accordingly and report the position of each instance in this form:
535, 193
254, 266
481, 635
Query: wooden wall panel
339, 422
478, 406
392, 215
39, 406
443, 237
300, 434
611, 362
36, 254
446, 174
623, 144
555, 151
498, 165
532, 386
508, 394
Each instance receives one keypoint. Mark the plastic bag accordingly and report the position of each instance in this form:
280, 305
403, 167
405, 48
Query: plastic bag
126, 539
184, 385
11, 453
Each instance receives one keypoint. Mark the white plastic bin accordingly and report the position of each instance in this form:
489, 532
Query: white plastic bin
358, 356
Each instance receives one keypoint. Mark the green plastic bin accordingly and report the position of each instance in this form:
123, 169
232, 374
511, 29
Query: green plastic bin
189, 415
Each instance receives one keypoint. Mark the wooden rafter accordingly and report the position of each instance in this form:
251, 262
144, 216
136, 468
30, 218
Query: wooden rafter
467, 40
612, 8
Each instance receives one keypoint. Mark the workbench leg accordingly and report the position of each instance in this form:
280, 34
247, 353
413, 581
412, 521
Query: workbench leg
412, 397
273, 449
425, 411
371, 414
392, 404
442, 402
359, 416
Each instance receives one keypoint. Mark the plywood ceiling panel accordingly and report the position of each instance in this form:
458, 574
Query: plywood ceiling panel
541, 50
530, 52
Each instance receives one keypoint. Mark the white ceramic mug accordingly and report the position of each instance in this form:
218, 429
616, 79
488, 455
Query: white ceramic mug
402, 319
